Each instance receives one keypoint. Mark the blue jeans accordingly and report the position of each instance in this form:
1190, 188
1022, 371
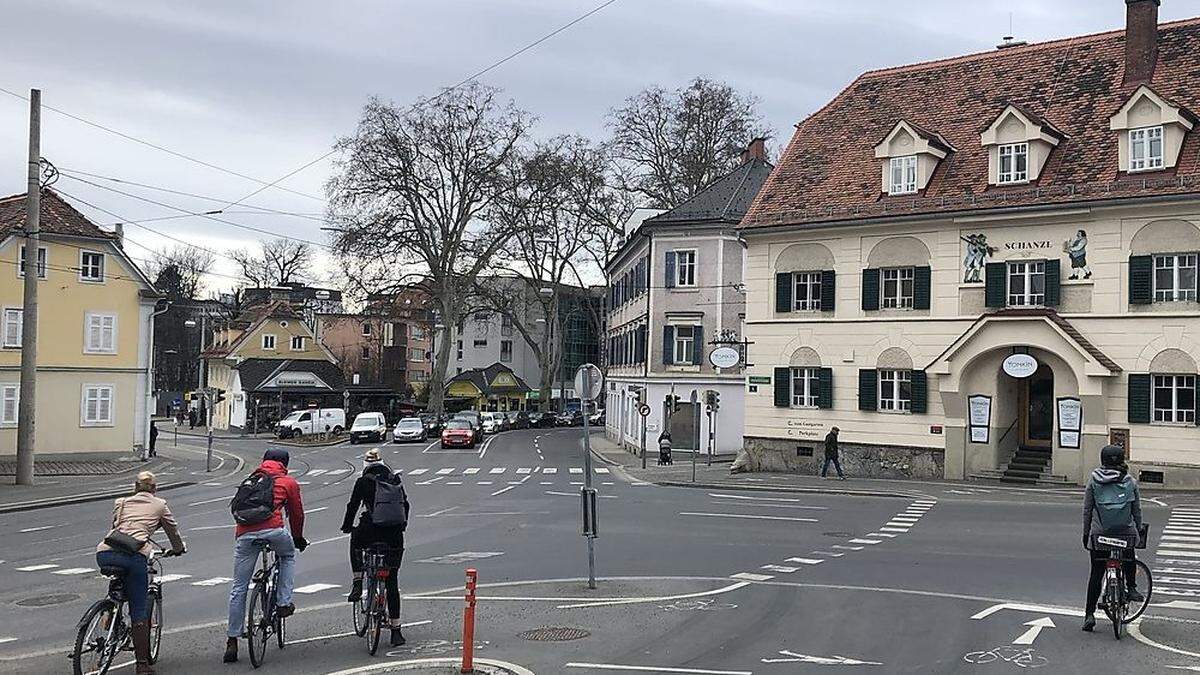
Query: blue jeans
836, 464
245, 559
137, 580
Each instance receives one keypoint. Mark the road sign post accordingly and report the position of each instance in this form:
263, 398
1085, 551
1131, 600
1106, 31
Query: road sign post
644, 411
589, 383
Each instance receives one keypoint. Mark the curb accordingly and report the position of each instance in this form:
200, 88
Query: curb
785, 488
81, 499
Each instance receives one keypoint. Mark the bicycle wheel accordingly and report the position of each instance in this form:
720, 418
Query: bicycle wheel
358, 609
1144, 583
374, 625
258, 626
280, 630
156, 624
1118, 604
95, 643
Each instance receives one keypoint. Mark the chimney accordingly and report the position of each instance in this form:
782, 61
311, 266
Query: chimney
1141, 40
119, 234
756, 150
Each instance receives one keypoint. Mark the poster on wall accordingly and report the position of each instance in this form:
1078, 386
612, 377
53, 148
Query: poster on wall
979, 417
1070, 422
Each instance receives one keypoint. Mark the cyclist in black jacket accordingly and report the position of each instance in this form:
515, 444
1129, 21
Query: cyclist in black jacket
368, 533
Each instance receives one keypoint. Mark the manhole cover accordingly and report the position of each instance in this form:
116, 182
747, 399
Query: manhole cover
841, 535
554, 634
48, 600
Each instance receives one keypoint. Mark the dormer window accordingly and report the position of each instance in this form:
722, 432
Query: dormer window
1018, 144
1014, 163
1146, 149
909, 157
904, 175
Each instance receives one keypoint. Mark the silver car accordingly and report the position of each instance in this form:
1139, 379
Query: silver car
409, 429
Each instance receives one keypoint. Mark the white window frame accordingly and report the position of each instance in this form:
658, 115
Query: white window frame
415, 332
10, 392
681, 354
895, 402
1174, 414
366, 329
13, 316
811, 281
897, 297
103, 346
1014, 153
806, 387
902, 175
1141, 149
1176, 262
685, 274
420, 354
98, 269
503, 344
479, 344
1027, 271
100, 389
43, 261
273, 341
364, 353
297, 343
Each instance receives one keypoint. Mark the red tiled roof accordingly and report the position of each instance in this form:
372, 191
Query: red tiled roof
829, 171
58, 217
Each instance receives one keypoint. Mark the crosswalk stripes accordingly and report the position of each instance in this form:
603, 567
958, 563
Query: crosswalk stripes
70, 571
550, 470
167, 578
524, 470
575, 469
215, 581
417, 472
471, 471
445, 472
314, 588
36, 568
1178, 545
498, 470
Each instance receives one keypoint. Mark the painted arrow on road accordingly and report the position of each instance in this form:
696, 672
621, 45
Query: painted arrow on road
793, 657
1035, 628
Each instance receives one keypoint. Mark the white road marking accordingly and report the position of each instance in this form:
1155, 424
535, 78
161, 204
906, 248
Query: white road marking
503, 490
417, 472
431, 480
445, 471
38, 529
215, 581
1176, 570
750, 517
793, 657
865, 541
750, 576
471, 471
602, 470
314, 588
7, 639
210, 501
767, 499
167, 578
498, 469
208, 527
806, 561
782, 569
893, 529
524, 470
73, 570
575, 469
550, 469
1035, 628
546, 482
461, 557
326, 541
882, 534
484, 482
342, 635
656, 669
831, 554
316, 472
1176, 544
1175, 580
843, 547
909, 519
454, 482
515, 482
1023, 607
36, 568
319, 508
338, 472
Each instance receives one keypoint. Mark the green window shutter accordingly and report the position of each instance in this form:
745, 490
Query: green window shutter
920, 392
1139, 398
828, 290
1053, 283
1141, 279
669, 270
995, 285
825, 388
697, 345
668, 345
922, 287
870, 290
868, 389
783, 387
783, 291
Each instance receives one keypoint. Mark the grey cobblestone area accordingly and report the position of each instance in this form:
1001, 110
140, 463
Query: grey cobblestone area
858, 460
87, 468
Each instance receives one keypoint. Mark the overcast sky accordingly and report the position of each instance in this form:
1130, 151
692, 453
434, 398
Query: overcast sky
262, 88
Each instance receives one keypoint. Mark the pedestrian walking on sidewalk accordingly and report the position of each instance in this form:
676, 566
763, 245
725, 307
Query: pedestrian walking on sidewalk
153, 438
831, 454
191, 418
664, 448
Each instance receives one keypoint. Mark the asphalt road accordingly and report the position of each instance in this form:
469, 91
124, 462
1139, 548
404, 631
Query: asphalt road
691, 580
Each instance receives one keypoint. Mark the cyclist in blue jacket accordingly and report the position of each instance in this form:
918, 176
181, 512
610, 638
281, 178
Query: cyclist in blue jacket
1112, 473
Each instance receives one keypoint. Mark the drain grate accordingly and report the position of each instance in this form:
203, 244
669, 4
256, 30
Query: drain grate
48, 600
554, 634
840, 535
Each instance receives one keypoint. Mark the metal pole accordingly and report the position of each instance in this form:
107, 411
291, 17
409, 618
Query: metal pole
208, 455
643, 439
712, 416
587, 474
27, 406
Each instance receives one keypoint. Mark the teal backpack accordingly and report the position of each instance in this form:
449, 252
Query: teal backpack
1114, 506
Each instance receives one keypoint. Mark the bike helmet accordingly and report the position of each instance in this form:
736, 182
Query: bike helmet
277, 455
1112, 456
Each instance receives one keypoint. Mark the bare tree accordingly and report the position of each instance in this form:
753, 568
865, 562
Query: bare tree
179, 271
413, 192
673, 143
279, 261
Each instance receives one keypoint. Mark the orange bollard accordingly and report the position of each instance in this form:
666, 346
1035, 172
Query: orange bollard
468, 660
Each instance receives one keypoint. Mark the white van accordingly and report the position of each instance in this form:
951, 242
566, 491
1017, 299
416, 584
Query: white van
312, 421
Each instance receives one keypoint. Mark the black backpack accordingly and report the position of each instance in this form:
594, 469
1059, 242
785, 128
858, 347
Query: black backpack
254, 502
388, 509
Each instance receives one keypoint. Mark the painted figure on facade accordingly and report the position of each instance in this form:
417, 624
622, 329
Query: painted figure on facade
978, 252
1076, 248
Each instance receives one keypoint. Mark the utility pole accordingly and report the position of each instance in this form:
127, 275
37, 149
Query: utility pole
27, 408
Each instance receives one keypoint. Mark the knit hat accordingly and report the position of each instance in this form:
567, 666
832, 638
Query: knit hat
372, 456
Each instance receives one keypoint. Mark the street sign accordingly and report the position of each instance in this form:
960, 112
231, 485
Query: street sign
589, 382
644, 410
724, 357
1020, 365
591, 527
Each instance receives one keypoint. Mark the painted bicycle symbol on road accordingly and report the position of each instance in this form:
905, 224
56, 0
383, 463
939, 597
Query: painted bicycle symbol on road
431, 648
1021, 658
704, 605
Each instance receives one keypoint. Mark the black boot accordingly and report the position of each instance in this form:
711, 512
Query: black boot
141, 647
230, 650
1089, 623
355, 591
397, 637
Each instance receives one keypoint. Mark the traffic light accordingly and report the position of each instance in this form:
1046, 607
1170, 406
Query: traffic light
672, 403
712, 399
220, 396
641, 396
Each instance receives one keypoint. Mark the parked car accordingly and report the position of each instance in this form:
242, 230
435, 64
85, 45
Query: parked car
541, 420
473, 418
311, 421
433, 423
409, 429
596, 419
569, 418
368, 426
519, 419
459, 433
492, 422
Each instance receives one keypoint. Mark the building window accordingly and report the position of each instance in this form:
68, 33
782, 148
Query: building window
91, 266
355, 378
1014, 163
807, 295
805, 387
895, 390
41, 262
685, 268
506, 351
13, 322
366, 329
97, 405
685, 342
1026, 283
366, 352
459, 354
297, 343
1146, 149
100, 334
10, 396
268, 341
506, 324
1175, 277
1175, 398
903, 175
898, 288
415, 354
480, 344
416, 332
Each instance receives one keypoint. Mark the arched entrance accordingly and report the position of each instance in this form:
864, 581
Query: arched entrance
1036, 409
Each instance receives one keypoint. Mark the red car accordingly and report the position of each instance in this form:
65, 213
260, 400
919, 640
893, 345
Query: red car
458, 433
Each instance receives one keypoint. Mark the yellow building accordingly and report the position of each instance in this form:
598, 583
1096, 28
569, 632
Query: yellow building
95, 325
495, 388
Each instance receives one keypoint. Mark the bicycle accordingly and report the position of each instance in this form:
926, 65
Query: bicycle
102, 631
1114, 598
262, 615
370, 612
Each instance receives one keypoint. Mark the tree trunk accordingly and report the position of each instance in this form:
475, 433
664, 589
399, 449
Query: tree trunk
441, 361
